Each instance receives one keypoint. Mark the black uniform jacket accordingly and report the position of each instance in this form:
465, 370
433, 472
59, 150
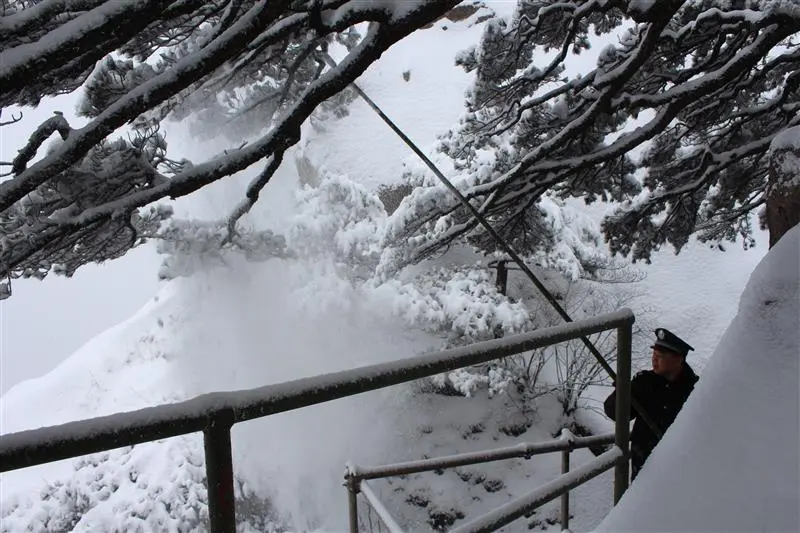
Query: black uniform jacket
661, 399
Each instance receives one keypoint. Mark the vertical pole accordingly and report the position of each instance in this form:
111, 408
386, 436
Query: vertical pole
219, 473
623, 412
502, 277
352, 500
565, 496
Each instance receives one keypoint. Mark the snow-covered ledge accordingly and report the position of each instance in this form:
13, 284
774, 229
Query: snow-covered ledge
730, 461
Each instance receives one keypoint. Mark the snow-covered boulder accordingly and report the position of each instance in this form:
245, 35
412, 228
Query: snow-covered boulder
730, 461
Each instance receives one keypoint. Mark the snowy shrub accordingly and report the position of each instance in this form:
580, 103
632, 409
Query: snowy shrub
255, 513
567, 370
191, 245
495, 378
461, 303
152, 487
554, 234
339, 218
463, 306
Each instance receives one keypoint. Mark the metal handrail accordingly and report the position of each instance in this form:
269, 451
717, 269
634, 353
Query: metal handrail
356, 476
617, 456
525, 449
214, 414
507, 513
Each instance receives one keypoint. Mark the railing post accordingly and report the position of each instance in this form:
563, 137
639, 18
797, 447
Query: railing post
568, 436
219, 473
623, 409
352, 483
565, 496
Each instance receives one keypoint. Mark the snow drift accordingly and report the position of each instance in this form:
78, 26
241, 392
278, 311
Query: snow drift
730, 460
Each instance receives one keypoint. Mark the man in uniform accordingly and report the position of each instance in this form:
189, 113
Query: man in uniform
661, 392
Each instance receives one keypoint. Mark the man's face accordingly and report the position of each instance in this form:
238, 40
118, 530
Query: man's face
666, 363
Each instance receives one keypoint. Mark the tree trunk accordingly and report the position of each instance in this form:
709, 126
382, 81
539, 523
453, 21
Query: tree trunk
783, 190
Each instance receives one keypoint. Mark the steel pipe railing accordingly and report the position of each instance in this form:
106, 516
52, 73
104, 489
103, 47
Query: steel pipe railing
507, 513
524, 449
214, 414
356, 476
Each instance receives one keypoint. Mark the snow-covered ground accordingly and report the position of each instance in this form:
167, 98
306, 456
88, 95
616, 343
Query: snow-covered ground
250, 325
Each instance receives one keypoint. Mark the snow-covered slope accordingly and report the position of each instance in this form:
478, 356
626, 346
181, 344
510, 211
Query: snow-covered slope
127, 367
730, 462
123, 368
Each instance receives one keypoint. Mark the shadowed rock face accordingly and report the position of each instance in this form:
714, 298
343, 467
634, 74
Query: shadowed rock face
783, 192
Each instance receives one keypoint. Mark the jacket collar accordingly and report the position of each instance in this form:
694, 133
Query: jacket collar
687, 377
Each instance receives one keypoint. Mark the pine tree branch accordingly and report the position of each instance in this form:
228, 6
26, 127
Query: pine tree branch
253, 192
55, 123
23, 23
13, 120
140, 99
110, 22
379, 38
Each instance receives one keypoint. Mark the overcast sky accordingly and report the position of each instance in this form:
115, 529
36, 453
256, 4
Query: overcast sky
45, 321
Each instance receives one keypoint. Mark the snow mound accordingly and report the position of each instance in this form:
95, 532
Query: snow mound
788, 139
730, 460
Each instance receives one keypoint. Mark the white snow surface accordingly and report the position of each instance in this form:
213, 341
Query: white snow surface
730, 460
787, 139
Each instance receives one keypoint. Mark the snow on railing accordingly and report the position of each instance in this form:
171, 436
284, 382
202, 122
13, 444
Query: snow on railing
356, 476
214, 414
523, 505
524, 449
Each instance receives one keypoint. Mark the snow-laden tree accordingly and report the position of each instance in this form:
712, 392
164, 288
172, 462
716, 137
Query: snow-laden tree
257, 67
674, 122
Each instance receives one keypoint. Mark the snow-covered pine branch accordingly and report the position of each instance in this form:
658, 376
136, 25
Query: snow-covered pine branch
192, 245
701, 87
255, 64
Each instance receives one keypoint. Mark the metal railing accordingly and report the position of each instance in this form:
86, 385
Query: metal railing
214, 414
356, 478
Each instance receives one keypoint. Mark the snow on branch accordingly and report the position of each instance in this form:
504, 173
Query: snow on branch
684, 106
203, 60
56, 123
193, 245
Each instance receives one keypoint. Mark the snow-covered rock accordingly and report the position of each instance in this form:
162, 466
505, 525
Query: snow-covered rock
730, 461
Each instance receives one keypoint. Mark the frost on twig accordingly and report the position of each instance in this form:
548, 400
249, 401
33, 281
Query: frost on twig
252, 194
